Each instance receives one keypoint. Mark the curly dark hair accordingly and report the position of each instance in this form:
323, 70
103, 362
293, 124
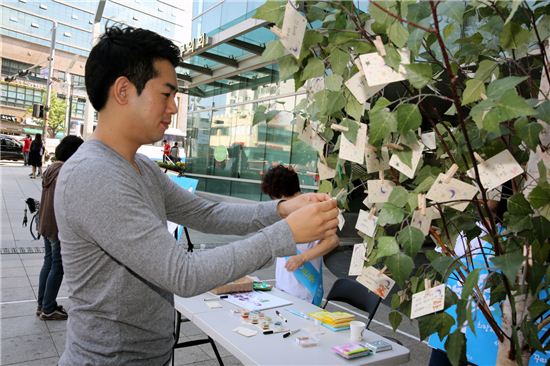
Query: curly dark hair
67, 147
280, 181
128, 52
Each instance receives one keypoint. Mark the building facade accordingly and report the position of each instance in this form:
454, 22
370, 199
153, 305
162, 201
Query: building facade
26, 38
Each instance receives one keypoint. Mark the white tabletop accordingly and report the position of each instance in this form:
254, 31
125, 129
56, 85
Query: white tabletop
273, 349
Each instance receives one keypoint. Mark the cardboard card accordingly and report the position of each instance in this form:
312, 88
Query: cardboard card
379, 190
354, 152
428, 139
245, 331
497, 170
376, 281
325, 172
533, 174
357, 259
299, 121
310, 137
315, 85
366, 223
358, 87
293, 30
428, 301
341, 221
454, 190
423, 222
395, 161
375, 164
213, 304
378, 73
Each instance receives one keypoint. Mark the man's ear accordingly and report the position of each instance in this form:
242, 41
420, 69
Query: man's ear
121, 90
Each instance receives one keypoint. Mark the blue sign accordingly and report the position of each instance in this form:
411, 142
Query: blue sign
190, 185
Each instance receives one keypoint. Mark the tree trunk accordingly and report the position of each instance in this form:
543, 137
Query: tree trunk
504, 358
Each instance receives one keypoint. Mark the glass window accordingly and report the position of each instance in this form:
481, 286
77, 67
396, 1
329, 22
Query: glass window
19, 96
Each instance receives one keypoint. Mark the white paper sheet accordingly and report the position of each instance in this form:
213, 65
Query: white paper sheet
428, 301
452, 191
497, 170
366, 223
358, 87
293, 30
377, 282
379, 190
354, 152
357, 259
395, 161
378, 73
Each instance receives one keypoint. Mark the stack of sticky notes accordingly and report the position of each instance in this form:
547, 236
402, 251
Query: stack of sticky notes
335, 321
352, 350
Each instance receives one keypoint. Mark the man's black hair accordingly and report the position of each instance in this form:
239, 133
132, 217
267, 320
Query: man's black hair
280, 181
67, 147
128, 52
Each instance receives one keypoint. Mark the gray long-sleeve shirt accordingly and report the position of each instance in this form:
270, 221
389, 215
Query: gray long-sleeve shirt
122, 265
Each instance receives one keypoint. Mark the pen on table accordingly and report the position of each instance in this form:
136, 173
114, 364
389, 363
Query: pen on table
288, 334
298, 313
216, 298
280, 316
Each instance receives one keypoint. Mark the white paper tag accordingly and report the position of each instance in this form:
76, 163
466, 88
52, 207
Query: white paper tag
455, 190
497, 170
376, 281
341, 221
315, 85
379, 190
293, 30
213, 304
366, 223
358, 87
245, 331
428, 139
374, 164
409, 171
325, 172
310, 137
378, 73
354, 152
533, 174
423, 222
428, 301
357, 260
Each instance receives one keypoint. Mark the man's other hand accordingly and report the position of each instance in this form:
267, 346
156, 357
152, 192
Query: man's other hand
313, 221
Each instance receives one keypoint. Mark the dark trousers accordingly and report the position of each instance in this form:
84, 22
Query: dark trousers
51, 276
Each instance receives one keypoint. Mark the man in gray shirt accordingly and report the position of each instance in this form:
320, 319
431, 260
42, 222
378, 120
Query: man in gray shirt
122, 266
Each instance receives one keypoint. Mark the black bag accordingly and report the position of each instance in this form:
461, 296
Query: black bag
34, 208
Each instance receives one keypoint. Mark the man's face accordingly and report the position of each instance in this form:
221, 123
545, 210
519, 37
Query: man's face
154, 107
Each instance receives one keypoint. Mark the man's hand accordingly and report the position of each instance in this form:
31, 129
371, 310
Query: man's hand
314, 221
285, 208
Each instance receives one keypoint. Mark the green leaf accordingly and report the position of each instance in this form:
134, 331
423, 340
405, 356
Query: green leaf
408, 117
543, 111
509, 264
444, 265
411, 240
333, 82
542, 172
497, 88
314, 68
456, 346
530, 134
474, 89
438, 322
270, 115
530, 332
470, 283
287, 67
515, 5
387, 246
312, 37
419, 75
405, 156
508, 107
401, 266
518, 205
354, 109
538, 308
395, 318
338, 61
271, 11
398, 196
259, 115
398, 34
453, 10
513, 36
273, 50
390, 214
353, 127
325, 187
382, 123
540, 195
486, 69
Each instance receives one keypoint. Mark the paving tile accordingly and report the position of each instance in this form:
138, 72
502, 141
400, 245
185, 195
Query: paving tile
188, 355
207, 347
51, 361
189, 329
10, 261
22, 325
18, 309
27, 348
15, 282
12, 272
55, 325
59, 341
17, 294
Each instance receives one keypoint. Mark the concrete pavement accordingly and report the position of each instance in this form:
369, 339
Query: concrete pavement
28, 341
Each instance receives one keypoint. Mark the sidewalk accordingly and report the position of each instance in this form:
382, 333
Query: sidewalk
28, 341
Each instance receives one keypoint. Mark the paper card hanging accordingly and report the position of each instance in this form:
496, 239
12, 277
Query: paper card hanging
293, 30
378, 73
533, 174
341, 221
454, 190
395, 161
366, 223
422, 222
310, 137
379, 190
357, 259
428, 301
325, 172
497, 170
315, 85
373, 163
354, 152
376, 281
428, 139
358, 87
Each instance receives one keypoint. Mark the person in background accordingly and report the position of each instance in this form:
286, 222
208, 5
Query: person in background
175, 153
51, 273
26, 148
122, 266
35, 156
165, 150
300, 275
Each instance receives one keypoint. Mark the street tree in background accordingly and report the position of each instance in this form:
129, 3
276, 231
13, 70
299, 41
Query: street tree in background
56, 118
436, 108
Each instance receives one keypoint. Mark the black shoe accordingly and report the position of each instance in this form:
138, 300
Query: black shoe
38, 310
58, 314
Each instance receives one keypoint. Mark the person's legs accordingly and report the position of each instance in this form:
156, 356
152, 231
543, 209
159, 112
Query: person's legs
54, 279
33, 174
44, 273
26, 158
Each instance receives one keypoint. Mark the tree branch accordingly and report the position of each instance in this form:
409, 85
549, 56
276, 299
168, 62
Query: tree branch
413, 24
